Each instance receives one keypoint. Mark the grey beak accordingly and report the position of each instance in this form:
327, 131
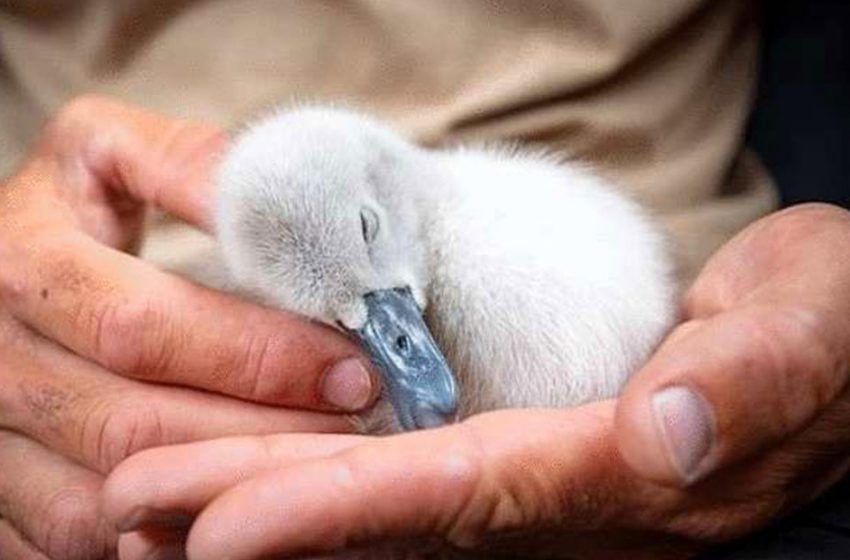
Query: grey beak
420, 385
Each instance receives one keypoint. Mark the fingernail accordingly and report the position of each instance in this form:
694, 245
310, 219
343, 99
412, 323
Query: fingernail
348, 385
144, 516
685, 422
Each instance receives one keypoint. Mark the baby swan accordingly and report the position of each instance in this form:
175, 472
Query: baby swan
541, 285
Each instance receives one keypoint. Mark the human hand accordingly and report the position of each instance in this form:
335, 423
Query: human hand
94, 343
763, 348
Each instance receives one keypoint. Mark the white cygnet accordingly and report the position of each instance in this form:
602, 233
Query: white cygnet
540, 284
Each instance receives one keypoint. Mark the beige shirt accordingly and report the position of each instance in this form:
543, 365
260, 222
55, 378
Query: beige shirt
654, 93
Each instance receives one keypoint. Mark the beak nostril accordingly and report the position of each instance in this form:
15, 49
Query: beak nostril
402, 343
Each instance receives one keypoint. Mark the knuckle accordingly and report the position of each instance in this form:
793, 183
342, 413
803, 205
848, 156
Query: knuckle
767, 357
13, 281
112, 433
79, 108
74, 528
257, 378
131, 337
807, 372
811, 220
12, 287
193, 138
815, 212
483, 504
823, 366
711, 293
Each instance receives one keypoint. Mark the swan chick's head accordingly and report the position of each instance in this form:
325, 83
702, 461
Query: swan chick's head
317, 212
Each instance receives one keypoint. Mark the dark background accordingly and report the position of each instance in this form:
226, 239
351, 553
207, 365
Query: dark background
801, 129
801, 123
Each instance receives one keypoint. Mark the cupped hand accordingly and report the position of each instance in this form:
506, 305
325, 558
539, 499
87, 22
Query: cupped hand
103, 354
740, 416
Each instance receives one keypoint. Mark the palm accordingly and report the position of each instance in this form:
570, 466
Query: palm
764, 313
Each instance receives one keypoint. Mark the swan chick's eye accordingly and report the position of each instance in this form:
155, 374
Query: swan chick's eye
369, 224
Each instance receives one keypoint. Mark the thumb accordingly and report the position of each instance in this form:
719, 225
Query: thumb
721, 389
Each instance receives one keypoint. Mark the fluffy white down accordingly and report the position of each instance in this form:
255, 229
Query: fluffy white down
548, 287
542, 284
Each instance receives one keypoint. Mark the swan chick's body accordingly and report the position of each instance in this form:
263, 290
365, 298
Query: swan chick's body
540, 283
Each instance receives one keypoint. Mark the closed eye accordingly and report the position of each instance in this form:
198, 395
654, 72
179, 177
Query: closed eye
369, 224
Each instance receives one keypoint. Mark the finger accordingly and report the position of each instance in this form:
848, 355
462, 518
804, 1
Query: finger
14, 547
139, 153
53, 503
766, 348
798, 254
152, 545
722, 389
146, 489
287, 502
140, 322
131, 318
97, 418
495, 474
